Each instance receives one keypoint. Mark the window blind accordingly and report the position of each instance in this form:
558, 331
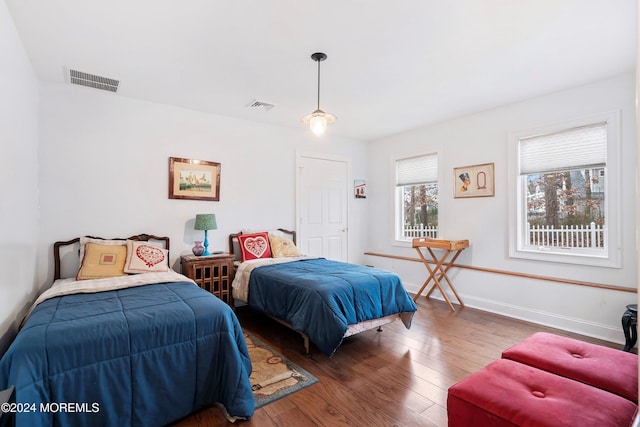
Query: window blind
417, 170
580, 147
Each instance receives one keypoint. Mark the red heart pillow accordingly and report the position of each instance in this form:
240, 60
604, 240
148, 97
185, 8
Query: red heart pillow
254, 246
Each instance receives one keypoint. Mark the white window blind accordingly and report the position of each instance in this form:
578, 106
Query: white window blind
417, 170
580, 147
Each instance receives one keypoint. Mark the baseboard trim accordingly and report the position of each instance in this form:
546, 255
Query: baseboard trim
552, 320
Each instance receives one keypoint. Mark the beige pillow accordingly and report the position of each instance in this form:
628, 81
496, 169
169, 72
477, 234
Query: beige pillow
102, 261
281, 247
143, 257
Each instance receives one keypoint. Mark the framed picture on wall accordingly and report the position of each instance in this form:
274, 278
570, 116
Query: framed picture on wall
473, 181
194, 179
360, 189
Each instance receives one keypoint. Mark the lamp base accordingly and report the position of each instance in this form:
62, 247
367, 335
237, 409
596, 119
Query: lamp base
206, 244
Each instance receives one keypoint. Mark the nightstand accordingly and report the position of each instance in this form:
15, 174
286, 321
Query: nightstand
213, 273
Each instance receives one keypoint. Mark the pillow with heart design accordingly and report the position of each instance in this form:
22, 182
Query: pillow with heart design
143, 257
254, 245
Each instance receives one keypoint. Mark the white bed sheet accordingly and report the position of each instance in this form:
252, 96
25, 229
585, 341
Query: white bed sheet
71, 286
240, 285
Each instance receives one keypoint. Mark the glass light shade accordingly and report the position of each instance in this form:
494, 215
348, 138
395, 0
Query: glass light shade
318, 121
318, 125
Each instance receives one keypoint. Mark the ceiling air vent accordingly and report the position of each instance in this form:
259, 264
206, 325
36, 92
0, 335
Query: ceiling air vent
91, 80
260, 104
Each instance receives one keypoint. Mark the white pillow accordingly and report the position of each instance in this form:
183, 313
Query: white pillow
274, 232
143, 257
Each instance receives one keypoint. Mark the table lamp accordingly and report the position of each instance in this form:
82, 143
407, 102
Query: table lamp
206, 222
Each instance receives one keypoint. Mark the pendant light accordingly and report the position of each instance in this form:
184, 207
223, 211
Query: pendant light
318, 120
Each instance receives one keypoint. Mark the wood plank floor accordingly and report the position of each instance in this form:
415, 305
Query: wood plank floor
396, 377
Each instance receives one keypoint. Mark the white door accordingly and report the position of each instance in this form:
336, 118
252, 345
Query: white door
323, 199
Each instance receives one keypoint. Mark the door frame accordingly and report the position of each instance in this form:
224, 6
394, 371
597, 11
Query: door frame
328, 157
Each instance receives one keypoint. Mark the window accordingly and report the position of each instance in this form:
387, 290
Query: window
565, 192
416, 207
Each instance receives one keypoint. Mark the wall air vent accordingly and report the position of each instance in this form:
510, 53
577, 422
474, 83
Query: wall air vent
91, 80
260, 104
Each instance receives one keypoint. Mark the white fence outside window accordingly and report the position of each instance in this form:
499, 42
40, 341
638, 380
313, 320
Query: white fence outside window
569, 236
420, 231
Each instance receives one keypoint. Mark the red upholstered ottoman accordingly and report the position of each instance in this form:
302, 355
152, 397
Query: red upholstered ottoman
606, 368
508, 393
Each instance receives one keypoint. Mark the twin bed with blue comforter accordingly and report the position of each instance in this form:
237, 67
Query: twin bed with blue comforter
322, 299
138, 353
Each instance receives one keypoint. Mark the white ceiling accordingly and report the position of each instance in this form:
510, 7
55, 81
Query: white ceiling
392, 65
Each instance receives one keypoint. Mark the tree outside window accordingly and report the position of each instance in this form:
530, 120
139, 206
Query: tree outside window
420, 210
571, 204
417, 197
564, 199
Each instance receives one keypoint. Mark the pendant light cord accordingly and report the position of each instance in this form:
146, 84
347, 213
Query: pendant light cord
318, 84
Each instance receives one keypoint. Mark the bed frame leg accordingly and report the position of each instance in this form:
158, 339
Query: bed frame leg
379, 329
307, 352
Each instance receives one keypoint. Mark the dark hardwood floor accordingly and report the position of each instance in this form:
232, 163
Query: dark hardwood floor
396, 377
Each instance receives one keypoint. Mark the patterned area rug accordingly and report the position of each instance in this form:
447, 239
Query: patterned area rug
273, 375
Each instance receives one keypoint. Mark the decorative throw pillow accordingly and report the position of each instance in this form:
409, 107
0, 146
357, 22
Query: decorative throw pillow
102, 261
84, 240
281, 247
143, 257
254, 246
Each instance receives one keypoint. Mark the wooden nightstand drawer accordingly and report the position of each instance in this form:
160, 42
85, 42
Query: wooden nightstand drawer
213, 273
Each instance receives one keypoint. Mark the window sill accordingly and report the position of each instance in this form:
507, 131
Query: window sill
402, 243
567, 258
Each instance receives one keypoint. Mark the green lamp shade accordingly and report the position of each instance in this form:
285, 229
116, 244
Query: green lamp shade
206, 222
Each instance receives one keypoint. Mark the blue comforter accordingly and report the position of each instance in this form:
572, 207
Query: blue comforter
146, 355
322, 298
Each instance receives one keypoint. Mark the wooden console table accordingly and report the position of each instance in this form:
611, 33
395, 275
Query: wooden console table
439, 271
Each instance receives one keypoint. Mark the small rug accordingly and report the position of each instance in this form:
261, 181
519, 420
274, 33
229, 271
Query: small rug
273, 376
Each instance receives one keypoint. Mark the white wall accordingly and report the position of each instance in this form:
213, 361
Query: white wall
482, 138
104, 171
19, 177
87, 162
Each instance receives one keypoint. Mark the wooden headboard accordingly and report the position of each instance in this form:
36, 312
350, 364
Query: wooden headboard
59, 246
235, 249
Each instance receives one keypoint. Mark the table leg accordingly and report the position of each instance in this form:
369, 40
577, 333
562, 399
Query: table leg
437, 273
438, 268
441, 267
446, 277
629, 329
431, 274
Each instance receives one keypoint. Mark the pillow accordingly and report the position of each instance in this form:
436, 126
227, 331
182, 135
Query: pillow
236, 243
102, 261
143, 257
84, 240
254, 246
281, 247
274, 232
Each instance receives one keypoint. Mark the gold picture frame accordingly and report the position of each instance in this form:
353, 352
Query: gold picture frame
194, 179
474, 181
